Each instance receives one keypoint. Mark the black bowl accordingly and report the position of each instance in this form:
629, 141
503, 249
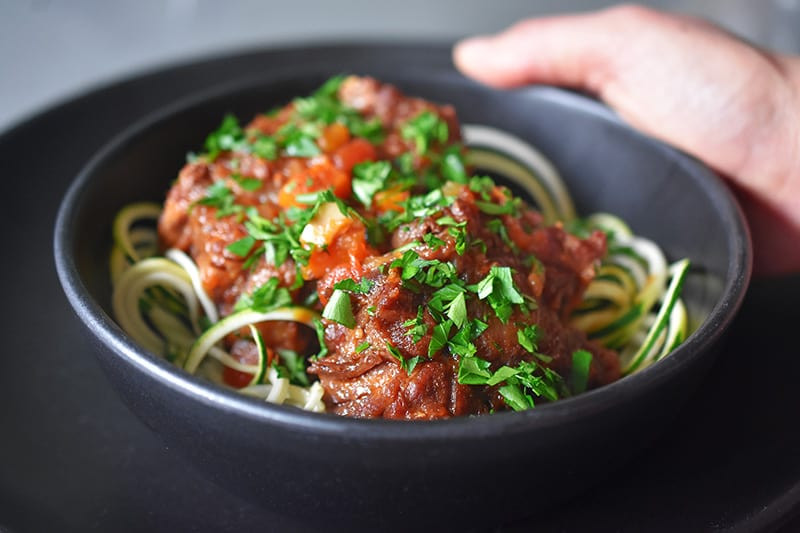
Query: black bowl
460, 471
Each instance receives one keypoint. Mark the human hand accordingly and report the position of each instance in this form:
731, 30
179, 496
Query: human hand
732, 105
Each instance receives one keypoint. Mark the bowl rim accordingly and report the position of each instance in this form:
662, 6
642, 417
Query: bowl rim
545, 416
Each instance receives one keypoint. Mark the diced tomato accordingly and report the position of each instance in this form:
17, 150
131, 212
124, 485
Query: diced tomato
319, 176
349, 247
356, 151
390, 200
333, 137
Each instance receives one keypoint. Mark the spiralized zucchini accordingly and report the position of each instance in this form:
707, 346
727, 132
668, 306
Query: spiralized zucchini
632, 305
158, 301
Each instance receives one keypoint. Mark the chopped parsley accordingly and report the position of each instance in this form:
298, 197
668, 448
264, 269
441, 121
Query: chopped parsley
293, 367
248, 184
579, 377
339, 309
267, 297
452, 165
241, 247
324, 107
319, 328
417, 328
528, 337
369, 178
499, 289
457, 310
299, 143
433, 242
349, 285
363, 347
410, 264
440, 336
406, 364
219, 196
520, 383
425, 129
229, 136
265, 147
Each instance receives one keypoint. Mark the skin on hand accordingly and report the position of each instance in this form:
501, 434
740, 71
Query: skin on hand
680, 79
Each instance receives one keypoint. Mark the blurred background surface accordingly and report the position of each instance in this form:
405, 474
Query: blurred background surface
51, 50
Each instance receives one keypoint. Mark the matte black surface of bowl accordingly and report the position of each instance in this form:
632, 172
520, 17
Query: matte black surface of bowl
371, 472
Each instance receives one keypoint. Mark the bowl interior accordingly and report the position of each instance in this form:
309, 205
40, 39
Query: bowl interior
608, 167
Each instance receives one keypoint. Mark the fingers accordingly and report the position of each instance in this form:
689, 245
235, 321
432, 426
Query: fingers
550, 51
680, 79
570, 50
586, 51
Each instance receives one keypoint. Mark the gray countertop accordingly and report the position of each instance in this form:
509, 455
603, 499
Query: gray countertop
51, 50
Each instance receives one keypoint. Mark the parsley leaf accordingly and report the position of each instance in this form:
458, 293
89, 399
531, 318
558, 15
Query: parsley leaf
433, 241
218, 195
439, 338
442, 299
363, 346
483, 186
425, 129
522, 382
339, 309
579, 377
499, 290
406, 364
495, 209
265, 147
528, 337
473, 371
319, 328
248, 184
324, 107
267, 297
293, 367
349, 285
457, 310
369, 178
515, 398
229, 136
452, 165
417, 328
241, 247
299, 144
410, 263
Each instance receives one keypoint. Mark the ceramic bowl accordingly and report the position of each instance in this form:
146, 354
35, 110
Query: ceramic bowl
463, 471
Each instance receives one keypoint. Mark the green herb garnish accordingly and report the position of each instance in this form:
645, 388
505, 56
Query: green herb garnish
369, 178
579, 377
293, 367
425, 129
267, 297
339, 309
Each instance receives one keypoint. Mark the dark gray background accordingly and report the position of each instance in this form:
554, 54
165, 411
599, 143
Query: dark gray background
51, 50
74, 456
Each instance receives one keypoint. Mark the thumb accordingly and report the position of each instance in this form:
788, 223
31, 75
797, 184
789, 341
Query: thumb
569, 50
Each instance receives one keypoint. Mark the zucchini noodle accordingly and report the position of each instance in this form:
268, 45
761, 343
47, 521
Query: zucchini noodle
144, 314
632, 305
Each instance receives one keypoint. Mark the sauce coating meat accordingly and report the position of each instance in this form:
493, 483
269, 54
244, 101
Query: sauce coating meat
442, 294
